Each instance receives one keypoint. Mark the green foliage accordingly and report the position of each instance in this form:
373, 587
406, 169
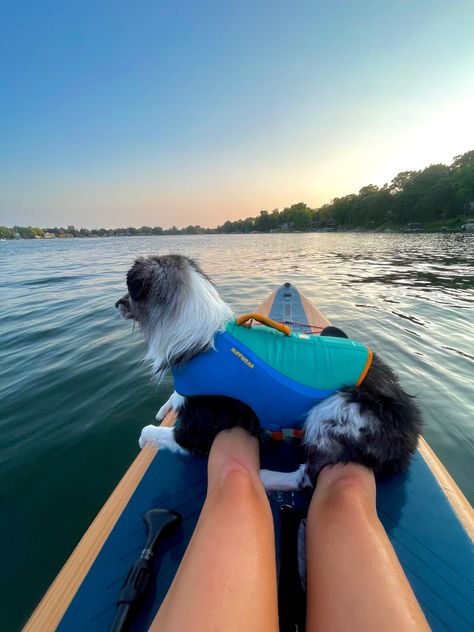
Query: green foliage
28, 232
462, 177
432, 195
296, 217
6, 233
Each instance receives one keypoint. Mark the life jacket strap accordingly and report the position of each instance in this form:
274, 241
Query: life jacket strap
269, 322
366, 368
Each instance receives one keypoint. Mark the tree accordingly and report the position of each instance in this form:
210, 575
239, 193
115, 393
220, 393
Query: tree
368, 190
274, 219
296, 217
462, 177
7, 233
145, 230
402, 181
25, 232
192, 230
262, 222
370, 206
430, 193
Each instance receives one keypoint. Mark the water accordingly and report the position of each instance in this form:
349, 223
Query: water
74, 393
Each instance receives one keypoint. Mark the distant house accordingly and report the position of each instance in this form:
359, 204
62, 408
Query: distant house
469, 206
469, 226
48, 235
414, 227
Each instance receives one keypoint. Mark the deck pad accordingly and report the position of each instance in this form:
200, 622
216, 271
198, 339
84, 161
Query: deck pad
432, 545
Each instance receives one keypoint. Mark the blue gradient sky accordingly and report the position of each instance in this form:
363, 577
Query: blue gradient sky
160, 113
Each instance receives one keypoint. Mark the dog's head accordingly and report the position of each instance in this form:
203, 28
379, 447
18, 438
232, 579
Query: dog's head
156, 287
176, 306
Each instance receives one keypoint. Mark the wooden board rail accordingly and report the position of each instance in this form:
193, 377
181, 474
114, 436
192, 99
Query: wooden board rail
460, 504
54, 604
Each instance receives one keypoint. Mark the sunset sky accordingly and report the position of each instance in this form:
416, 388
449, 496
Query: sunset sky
160, 113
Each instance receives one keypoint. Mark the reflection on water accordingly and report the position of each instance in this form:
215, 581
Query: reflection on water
74, 391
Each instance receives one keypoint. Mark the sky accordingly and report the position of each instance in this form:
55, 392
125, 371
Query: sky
166, 113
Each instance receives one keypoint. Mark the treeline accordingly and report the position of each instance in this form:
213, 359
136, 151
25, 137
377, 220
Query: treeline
297, 217
436, 196
439, 195
28, 232
21, 232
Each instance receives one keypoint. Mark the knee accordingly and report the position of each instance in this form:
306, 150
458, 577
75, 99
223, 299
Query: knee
238, 486
349, 489
235, 445
234, 475
346, 477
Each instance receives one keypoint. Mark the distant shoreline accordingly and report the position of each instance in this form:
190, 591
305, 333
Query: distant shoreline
391, 231
439, 198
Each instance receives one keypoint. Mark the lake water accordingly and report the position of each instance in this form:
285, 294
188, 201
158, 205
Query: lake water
74, 393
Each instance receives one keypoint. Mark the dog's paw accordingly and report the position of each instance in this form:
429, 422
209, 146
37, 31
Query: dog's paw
149, 434
285, 481
160, 436
164, 410
174, 403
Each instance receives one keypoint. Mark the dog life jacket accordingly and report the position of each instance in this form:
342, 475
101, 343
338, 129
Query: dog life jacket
279, 376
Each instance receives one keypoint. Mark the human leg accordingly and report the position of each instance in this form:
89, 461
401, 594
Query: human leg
227, 578
355, 581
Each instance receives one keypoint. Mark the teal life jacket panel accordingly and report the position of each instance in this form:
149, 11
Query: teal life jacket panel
280, 377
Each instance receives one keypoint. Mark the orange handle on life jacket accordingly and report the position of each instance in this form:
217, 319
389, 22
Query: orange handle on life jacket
265, 321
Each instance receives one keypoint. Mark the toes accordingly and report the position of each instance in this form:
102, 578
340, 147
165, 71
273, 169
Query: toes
149, 434
284, 481
164, 410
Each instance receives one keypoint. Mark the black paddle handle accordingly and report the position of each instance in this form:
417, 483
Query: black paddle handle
159, 523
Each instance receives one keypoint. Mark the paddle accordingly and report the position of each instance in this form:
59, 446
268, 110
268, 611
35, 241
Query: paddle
159, 522
291, 596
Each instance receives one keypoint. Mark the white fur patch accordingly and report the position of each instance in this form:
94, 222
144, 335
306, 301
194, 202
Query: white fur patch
285, 481
162, 437
201, 315
174, 403
335, 408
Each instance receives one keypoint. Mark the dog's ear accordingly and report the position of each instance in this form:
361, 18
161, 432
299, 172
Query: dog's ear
139, 280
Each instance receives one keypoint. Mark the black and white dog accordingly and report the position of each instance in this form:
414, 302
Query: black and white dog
179, 311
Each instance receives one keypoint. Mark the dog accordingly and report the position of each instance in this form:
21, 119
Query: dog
179, 312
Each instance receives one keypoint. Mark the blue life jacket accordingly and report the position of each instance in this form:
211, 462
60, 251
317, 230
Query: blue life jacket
280, 377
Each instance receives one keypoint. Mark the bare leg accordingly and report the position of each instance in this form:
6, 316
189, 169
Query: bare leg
355, 581
227, 578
